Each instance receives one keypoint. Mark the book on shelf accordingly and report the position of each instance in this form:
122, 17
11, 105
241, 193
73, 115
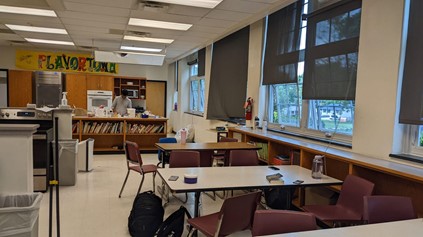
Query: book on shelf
75, 127
275, 178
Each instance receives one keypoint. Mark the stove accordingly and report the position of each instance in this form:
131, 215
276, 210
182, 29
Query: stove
42, 151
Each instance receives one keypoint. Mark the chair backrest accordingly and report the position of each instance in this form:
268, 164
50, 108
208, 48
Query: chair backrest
269, 222
228, 139
237, 213
352, 192
132, 152
379, 209
243, 158
165, 140
181, 159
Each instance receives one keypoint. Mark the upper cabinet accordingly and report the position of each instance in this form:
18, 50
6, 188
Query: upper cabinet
20, 88
135, 85
99, 82
76, 86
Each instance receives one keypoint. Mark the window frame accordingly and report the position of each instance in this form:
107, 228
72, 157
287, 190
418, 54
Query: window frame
193, 71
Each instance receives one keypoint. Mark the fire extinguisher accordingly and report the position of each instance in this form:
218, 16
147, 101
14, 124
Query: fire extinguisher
248, 106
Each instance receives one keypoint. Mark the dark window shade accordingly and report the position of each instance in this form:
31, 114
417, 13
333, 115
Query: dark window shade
411, 110
331, 55
228, 79
176, 74
201, 62
282, 45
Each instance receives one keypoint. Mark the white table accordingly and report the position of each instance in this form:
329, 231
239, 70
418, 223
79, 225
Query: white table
408, 228
239, 177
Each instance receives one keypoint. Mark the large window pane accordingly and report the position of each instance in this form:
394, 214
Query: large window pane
286, 104
194, 95
201, 95
331, 116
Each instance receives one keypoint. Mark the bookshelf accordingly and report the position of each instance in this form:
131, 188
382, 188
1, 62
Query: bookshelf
110, 133
131, 83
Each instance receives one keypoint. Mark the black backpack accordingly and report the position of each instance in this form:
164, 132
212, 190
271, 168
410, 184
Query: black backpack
276, 198
146, 215
173, 225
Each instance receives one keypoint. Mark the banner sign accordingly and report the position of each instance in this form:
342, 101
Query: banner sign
64, 62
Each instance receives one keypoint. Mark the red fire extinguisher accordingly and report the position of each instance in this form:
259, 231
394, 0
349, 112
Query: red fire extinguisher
248, 106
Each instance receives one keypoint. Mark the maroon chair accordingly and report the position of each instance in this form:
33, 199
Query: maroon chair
349, 207
379, 209
270, 222
134, 163
243, 158
236, 214
184, 159
222, 156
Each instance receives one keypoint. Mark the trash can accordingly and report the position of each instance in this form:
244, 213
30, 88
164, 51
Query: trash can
85, 155
67, 161
19, 214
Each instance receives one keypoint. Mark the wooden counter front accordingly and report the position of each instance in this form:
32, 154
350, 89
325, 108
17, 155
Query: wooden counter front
111, 133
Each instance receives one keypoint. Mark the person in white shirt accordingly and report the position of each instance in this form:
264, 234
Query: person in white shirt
122, 103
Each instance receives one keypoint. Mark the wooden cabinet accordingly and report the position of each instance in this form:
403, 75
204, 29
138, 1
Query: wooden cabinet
131, 83
100, 82
110, 133
76, 86
20, 88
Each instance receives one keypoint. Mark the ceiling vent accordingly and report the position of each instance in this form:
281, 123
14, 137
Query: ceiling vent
88, 47
154, 6
18, 42
138, 33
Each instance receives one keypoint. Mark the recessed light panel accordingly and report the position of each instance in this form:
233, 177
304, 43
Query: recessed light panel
42, 41
141, 49
159, 24
37, 29
27, 11
193, 3
148, 39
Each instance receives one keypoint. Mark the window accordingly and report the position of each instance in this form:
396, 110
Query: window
197, 88
330, 108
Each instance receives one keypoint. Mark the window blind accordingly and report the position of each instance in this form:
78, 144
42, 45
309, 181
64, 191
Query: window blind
228, 78
331, 55
201, 62
411, 110
282, 45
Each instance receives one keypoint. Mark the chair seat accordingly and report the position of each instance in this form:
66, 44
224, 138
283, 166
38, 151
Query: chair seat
332, 213
149, 168
207, 224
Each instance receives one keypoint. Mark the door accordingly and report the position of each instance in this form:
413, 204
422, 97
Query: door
3, 88
76, 86
20, 88
156, 97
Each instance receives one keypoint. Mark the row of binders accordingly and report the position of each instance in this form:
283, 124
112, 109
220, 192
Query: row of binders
143, 129
103, 127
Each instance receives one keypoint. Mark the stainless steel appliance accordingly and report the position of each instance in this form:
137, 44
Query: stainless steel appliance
133, 94
97, 98
41, 139
48, 88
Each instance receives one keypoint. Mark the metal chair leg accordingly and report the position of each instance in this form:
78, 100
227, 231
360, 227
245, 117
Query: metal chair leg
124, 183
142, 181
154, 182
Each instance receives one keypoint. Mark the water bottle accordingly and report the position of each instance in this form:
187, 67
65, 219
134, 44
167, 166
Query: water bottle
183, 136
317, 168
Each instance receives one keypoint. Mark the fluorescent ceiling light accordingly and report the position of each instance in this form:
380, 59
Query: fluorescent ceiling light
27, 11
42, 41
37, 29
141, 49
148, 39
193, 3
159, 24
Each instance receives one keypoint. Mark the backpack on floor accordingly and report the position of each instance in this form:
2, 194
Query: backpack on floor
173, 225
276, 198
146, 215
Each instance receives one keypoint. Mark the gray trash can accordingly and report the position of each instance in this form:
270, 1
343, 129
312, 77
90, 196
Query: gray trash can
19, 215
85, 155
67, 161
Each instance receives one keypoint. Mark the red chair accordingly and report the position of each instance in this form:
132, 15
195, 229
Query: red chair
134, 163
221, 157
379, 209
349, 207
236, 214
243, 158
270, 222
184, 159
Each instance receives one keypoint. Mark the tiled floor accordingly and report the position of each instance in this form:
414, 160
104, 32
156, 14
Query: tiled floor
92, 208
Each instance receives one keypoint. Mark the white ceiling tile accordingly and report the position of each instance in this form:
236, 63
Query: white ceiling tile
107, 3
80, 22
242, 6
188, 11
208, 29
87, 29
215, 22
10, 37
88, 8
228, 15
93, 17
165, 17
26, 3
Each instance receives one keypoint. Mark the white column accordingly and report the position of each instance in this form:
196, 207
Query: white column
16, 158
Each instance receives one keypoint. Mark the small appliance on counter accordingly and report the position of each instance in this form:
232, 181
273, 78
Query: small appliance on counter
96, 98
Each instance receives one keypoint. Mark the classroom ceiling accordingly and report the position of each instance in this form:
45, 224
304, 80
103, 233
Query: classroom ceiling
102, 24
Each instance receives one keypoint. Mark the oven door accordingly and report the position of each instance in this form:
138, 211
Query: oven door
95, 101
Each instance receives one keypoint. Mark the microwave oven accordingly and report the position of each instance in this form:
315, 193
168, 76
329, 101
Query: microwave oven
133, 94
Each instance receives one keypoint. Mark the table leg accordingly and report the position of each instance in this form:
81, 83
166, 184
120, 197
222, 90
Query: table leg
196, 210
162, 157
289, 198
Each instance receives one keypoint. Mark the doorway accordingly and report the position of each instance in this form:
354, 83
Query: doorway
156, 97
